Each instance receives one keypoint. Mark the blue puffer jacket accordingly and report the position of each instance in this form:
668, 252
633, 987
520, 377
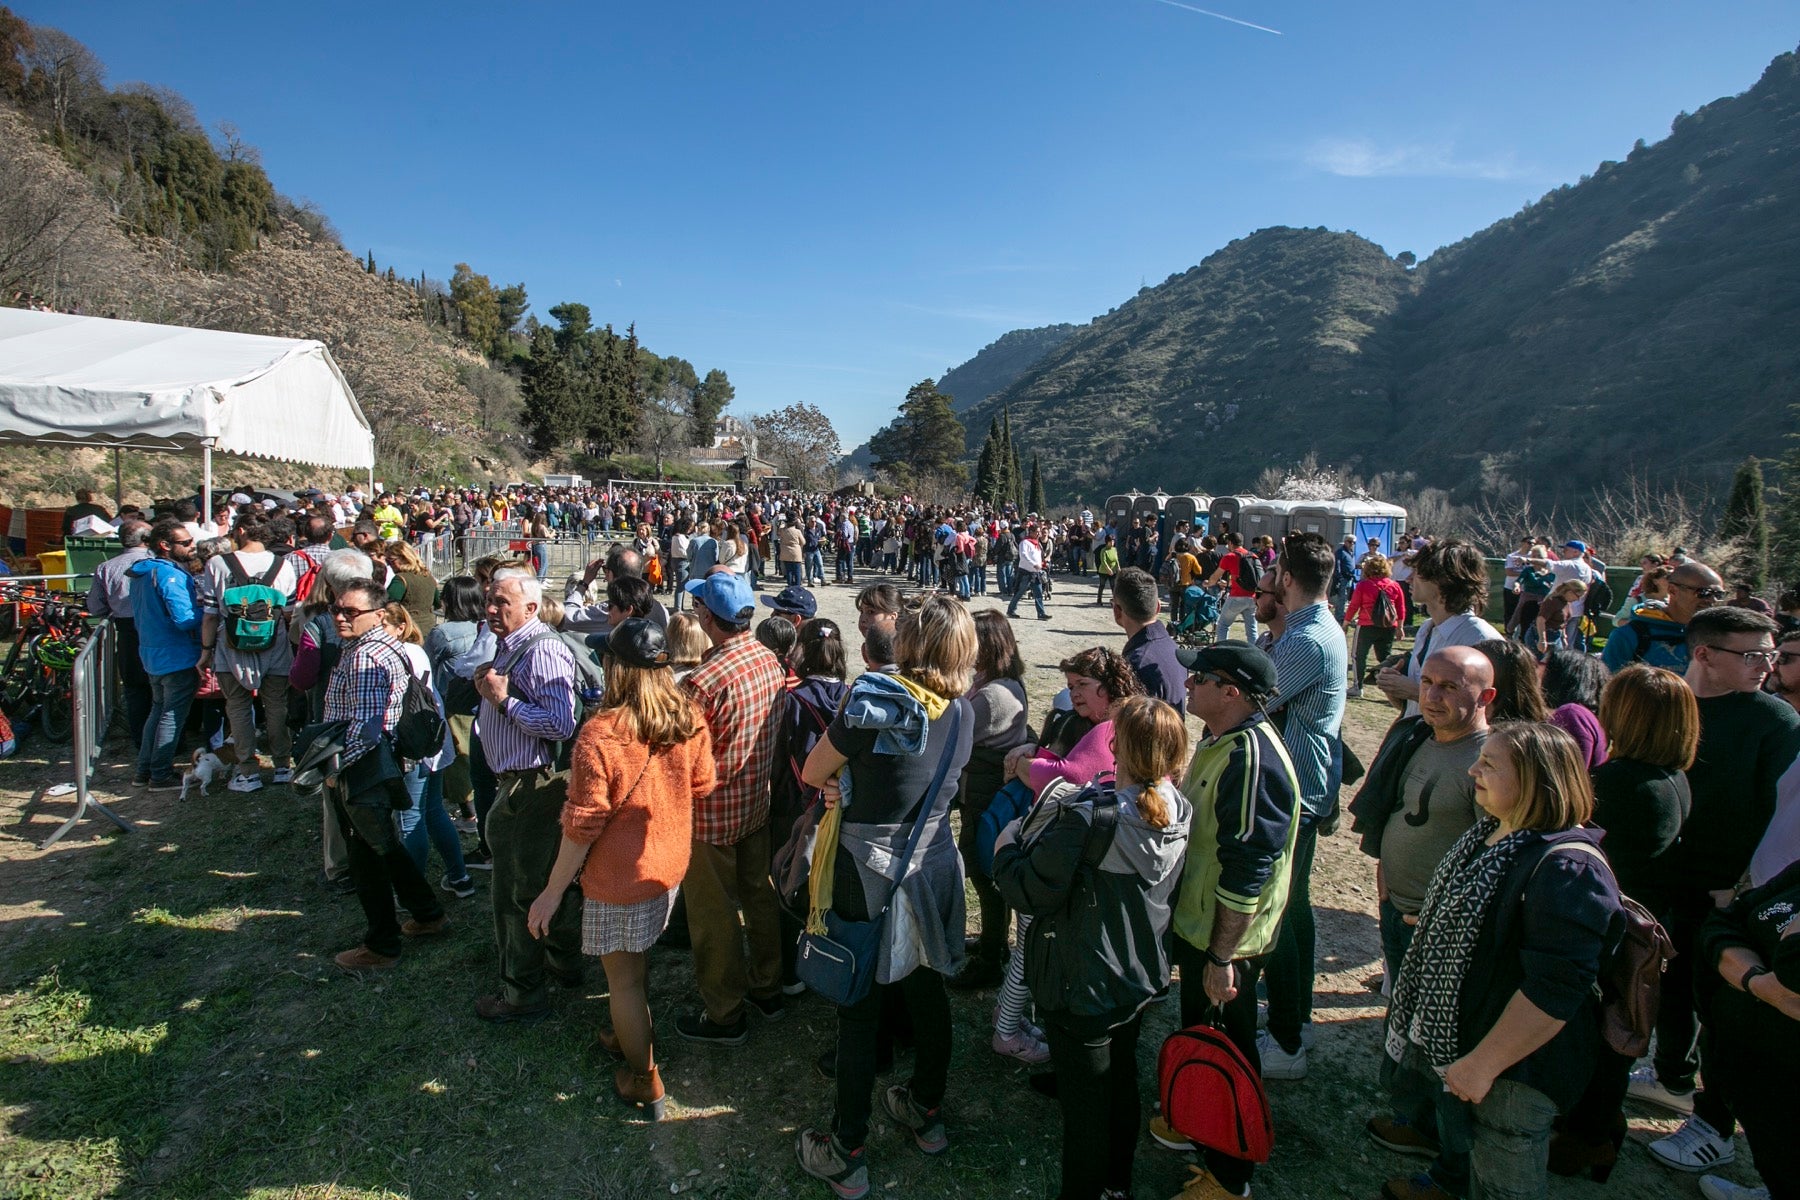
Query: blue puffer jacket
166, 606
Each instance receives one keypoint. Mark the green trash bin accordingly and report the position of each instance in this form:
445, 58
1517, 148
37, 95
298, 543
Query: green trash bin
86, 553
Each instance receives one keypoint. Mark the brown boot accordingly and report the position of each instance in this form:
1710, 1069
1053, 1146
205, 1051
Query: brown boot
643, 1089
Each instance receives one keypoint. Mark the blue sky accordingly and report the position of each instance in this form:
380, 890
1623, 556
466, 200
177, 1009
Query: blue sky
834, 201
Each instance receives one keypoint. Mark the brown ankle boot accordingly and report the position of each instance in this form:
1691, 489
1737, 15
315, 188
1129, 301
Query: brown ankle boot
641, 1088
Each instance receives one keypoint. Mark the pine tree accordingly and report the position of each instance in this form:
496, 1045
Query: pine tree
1746, 524
1036, 504
369, 266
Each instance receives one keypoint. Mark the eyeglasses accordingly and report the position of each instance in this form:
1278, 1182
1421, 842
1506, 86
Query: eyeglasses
1705, 593
183, 542
1201, 680
350, 614
1752, 658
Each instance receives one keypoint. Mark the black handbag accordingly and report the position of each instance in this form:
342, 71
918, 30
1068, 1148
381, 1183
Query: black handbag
839, 964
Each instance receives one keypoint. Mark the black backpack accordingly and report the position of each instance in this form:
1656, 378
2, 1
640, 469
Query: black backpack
1249, 570
419, 733
1383, 613
1599, 598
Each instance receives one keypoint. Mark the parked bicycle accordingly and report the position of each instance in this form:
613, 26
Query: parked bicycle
37, 676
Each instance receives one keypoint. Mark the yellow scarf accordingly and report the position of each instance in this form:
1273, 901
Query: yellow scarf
824, 866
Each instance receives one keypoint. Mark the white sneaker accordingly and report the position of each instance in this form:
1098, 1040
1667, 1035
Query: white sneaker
1278, 1063
1022, 1047
245, 783
282, 775
1695, 1147
1306, 1027
1715, 1188
1647, 1087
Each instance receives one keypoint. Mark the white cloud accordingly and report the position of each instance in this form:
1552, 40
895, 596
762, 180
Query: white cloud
1361, 158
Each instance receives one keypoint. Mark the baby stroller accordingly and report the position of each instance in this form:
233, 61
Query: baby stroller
1199, 618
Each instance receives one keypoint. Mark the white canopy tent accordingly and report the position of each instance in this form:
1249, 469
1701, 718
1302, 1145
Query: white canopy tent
125, 385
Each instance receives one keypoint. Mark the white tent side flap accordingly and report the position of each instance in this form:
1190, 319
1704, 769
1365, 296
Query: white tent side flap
91, 381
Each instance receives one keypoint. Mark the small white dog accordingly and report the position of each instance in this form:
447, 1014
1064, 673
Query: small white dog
207, 769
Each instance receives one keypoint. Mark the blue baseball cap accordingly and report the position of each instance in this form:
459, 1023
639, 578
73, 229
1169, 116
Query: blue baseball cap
795, 600
725, 595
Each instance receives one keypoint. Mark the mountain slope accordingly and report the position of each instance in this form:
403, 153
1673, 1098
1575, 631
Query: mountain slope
992, 370
1181, 386
1000, 363
1643, 321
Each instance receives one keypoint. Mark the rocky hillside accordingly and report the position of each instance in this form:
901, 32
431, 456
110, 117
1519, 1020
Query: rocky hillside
1256, 355
1000, 363
1643, 320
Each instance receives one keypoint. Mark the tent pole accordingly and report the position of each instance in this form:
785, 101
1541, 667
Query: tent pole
205, 482
118, 483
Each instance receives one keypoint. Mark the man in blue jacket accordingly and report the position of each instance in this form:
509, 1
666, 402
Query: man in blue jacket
165, 606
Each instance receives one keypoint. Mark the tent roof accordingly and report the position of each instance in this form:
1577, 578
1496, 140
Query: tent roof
89, 381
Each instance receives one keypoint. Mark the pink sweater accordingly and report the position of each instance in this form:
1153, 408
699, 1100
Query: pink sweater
1089, 757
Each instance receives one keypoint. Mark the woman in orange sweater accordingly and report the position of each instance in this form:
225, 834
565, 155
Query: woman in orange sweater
637, 768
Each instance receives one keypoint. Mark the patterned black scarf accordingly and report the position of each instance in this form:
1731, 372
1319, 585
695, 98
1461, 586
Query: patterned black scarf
1424, 1014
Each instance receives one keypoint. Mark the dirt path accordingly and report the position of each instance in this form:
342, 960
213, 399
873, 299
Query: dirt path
737, 1110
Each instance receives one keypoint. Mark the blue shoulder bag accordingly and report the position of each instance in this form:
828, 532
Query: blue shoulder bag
839, 964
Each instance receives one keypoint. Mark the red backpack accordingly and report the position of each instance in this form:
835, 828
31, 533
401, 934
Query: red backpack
1212, 1096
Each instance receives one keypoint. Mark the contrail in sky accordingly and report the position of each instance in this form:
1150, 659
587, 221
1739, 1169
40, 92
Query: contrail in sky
1220, 16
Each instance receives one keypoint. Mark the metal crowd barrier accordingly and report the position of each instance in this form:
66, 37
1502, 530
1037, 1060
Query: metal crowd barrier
95, 684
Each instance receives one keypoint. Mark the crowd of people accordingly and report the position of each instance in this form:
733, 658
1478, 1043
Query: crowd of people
715, 773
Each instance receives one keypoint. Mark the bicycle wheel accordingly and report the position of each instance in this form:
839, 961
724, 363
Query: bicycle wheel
56, 705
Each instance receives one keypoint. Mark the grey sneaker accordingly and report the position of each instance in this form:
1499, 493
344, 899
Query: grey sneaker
925, 1124
822, 1157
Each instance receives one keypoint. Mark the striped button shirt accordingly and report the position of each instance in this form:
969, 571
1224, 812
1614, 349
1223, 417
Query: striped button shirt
738, 687
1311, 660
539, 710
367, 689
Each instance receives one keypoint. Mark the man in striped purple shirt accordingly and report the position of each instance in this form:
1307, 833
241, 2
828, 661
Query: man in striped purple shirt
528, 707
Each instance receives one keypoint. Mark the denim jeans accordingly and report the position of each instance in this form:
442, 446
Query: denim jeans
961, 581
791, 572
1003, 578
1421, 1101
427, 824
815, 566
978, 579
1231, 610
1032, 583
1396, 936
170, 696
681, 577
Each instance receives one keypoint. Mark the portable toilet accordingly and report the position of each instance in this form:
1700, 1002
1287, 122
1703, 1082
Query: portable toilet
1118, 512
1224, 514
1365, 519
1193, 508
1269, 518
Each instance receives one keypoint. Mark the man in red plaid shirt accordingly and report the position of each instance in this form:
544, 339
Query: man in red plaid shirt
738, 686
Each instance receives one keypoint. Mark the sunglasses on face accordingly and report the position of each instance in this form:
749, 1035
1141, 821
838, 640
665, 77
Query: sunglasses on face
344, 613
1705, 593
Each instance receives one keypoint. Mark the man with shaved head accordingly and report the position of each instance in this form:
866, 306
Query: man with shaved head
1418, 799
1656, 634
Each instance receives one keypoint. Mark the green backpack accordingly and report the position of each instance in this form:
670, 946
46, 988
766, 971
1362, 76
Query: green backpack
252, 608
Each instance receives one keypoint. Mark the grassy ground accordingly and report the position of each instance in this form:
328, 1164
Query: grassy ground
171, 1026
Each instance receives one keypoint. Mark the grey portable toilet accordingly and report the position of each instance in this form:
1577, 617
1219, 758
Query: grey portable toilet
1149, 509
1194, 508
1265, 518
1118, 512
1322, 517
1224, 514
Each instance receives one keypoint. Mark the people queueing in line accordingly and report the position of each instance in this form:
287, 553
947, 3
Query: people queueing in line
609, 770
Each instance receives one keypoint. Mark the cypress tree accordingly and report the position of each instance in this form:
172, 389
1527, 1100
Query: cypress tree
1036, 504
987, 467
1746, 524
